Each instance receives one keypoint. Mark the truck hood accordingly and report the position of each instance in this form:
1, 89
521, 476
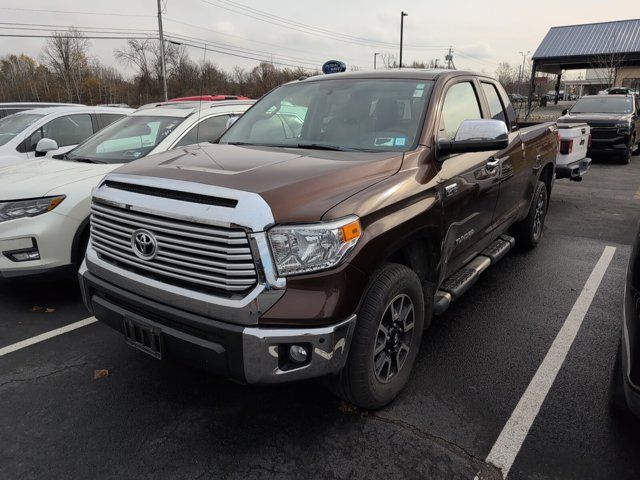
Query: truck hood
35, 178
299, 185
596, 119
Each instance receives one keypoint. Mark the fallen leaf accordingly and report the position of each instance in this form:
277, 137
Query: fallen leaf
36, 309
100, 373
49, 310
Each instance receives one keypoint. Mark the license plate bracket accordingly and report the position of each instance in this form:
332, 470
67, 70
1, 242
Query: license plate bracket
144, 337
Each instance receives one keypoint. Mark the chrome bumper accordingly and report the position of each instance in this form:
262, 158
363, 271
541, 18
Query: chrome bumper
265, 352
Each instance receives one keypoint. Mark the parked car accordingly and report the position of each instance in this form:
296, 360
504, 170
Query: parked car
614, 122
517, 98
572, 161
45, 204
273, 255
33, 133
7, 109
625, 382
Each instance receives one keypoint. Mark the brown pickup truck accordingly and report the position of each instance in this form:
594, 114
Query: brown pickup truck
320, 234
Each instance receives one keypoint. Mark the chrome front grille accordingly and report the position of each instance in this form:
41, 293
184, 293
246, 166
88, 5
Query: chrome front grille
188, 254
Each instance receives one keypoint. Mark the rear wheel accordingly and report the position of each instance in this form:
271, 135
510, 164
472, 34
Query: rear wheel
529, 231
386, 339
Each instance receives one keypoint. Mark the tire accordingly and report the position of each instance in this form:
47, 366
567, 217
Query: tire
528, 232
78, 255
617, 399
625, 158
360, 382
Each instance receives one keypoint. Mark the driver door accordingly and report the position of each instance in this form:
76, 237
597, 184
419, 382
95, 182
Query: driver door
469, 182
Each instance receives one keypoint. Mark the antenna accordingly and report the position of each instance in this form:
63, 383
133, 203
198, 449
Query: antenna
204, 59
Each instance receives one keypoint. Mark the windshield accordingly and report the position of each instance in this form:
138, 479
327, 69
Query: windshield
126, 139
603, 104
14, 124
340, 114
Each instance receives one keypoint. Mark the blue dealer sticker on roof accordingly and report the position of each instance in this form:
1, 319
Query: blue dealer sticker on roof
334, 66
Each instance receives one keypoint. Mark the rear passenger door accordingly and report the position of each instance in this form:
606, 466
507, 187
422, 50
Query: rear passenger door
514, 176
468, 186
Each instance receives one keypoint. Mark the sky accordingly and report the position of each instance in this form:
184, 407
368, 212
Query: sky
482, 33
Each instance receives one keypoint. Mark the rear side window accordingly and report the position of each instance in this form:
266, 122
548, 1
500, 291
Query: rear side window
67, 130
495, 105
460, 104
207, 130
108, 118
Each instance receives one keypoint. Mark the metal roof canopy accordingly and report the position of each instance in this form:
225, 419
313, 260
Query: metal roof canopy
584, 46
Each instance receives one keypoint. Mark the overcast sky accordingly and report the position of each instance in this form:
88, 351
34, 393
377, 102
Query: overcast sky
482, 33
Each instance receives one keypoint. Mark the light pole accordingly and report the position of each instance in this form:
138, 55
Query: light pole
524, 56
402, 15
375, 56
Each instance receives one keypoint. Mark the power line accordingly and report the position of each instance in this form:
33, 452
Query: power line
303, 28
259, 42
76, 12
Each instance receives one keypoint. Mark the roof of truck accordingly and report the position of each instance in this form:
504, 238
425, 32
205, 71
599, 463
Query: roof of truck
408, 73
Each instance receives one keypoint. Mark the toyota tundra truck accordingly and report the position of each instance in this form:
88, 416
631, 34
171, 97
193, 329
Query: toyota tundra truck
319, 235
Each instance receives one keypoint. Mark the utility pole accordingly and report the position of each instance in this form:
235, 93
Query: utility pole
521, 76
163, 67
449, 59
402, 15
375, 56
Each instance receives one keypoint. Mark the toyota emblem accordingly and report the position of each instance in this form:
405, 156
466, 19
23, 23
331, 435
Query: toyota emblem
144, 244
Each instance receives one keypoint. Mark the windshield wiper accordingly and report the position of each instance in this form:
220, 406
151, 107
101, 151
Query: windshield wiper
322, 146
80, 159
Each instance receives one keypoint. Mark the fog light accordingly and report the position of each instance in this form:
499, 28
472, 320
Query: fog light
298, 353
24, 255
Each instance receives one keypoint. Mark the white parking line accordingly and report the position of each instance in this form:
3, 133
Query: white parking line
47, 335
510, 440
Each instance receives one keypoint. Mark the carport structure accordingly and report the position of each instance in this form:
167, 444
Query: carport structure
610, 46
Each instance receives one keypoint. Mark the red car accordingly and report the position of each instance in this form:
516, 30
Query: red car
209, 98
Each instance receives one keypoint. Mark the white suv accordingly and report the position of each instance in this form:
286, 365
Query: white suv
45, 203
34, 133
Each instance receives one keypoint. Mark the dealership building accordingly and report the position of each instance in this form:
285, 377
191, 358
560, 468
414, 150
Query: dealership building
608, 51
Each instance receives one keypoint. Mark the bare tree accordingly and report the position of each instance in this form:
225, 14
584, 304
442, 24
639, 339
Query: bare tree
607, 63
66, 55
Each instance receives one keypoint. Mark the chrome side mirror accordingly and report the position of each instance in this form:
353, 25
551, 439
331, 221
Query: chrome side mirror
476, 136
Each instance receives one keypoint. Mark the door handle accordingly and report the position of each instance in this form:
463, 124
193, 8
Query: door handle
492, 164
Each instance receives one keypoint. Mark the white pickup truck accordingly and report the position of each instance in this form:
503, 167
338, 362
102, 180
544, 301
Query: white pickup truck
574, 140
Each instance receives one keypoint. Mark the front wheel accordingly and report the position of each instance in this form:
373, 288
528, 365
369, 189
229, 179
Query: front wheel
529, 231
386, 339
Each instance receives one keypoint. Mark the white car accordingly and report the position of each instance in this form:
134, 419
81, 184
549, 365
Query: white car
45, 204
55, 130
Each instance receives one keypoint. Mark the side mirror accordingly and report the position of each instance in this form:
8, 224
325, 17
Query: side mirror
45, 145
476, 136
232, 120
565, 111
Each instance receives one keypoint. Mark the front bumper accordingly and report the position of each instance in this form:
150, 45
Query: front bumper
248, 354
51, 234
631, 389
573, 171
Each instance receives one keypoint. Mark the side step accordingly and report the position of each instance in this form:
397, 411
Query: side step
458, 283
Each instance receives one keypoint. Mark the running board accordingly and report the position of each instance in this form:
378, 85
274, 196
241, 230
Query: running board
458, 283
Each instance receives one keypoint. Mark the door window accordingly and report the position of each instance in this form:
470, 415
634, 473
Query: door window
208, 130
495, 105
67, 130
108, 118
460, 104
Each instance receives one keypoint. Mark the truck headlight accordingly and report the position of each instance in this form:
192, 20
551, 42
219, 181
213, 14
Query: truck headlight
301, 249
28, 208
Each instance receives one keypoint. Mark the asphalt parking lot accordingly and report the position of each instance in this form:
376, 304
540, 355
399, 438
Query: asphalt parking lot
160, 420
